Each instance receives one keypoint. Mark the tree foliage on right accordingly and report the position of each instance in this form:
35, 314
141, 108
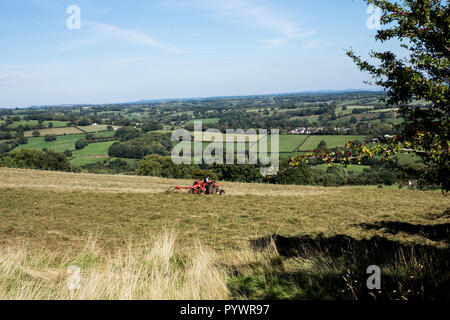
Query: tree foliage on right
422, 27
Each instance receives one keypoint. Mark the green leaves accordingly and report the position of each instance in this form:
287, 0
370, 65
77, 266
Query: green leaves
423, 27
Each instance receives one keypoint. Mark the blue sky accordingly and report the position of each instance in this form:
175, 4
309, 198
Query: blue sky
127, 50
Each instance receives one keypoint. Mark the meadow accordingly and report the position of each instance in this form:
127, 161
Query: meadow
62, 142
205, 121
68, 130
331, 140
56, 124
94, 149
81, 161
95, 128
133, 239
54, 131
94, 152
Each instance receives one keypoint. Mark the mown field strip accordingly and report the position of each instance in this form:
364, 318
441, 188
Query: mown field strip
54, 131
12, 178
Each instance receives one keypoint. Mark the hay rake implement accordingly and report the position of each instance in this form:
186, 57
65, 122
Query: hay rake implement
200, 187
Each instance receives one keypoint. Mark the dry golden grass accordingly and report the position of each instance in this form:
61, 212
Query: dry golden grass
55, 131
55, 209
48, 218
68, 130
63, 181
150, 270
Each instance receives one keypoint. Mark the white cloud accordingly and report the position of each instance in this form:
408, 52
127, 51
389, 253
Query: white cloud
99, 32
251, 12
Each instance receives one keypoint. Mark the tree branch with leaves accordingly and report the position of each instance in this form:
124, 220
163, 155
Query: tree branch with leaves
422, 27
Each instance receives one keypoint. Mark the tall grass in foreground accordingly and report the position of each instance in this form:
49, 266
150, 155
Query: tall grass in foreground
269, 268
150, 270
336, 268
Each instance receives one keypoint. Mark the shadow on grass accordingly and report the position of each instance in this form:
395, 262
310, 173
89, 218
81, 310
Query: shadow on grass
438, 232
336, 268
376, 250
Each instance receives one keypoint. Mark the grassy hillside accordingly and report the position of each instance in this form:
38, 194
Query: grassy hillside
51, 220
56, 124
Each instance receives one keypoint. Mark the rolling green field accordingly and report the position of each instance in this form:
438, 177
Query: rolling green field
94, 152
311, 118
331, 140
54, 131
288, 144
94, 149
56, 124
92, 128
205, 121
104, 134
81, 161
351, 107
61, 144
71, 130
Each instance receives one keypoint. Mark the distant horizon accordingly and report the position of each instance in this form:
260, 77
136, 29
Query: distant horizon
143, 101
98, 52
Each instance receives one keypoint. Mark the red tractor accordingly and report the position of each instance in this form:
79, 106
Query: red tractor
201, 187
